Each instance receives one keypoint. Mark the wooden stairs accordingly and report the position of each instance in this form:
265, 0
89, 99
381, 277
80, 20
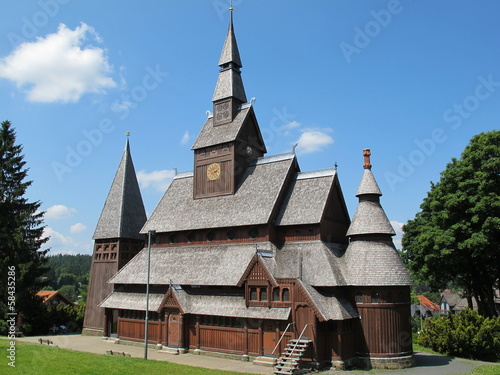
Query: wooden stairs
288, 363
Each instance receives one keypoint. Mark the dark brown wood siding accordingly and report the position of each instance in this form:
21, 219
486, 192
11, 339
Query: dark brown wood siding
385, 329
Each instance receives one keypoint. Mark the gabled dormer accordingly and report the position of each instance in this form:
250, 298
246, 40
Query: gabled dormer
259, 283
230, 138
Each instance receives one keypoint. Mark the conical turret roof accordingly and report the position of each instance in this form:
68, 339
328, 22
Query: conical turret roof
371, 257
369, 217
123, 214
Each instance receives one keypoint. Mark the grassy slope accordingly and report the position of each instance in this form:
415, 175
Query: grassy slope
33, 359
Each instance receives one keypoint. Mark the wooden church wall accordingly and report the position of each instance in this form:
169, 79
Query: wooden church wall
385, 328
97, 291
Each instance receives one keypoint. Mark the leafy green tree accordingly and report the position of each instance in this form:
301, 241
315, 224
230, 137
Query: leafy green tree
68, 279
21, 231
69, 291
455, 238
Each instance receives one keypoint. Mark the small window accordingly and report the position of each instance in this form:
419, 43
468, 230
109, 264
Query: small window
263, 294
210, 235
276, 294
173, 238
286, 295
389, 297
191, 237
231, 234
375, 298
359, 297
254, 232
253, 294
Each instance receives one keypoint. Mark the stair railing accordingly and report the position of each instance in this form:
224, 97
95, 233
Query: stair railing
281, 338
301, 333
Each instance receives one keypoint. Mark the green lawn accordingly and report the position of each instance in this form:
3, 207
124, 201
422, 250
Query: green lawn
34, 359
486, 370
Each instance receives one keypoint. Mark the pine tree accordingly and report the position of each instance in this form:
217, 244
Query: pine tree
21, 232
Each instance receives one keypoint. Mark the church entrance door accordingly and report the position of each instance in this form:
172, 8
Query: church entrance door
269, 333
173, 329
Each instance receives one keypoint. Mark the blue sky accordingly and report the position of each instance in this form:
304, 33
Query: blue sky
411, 80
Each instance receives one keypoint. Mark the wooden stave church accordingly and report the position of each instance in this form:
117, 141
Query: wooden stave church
251, 253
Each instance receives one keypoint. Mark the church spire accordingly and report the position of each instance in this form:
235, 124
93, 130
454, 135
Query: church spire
230, 85
123, 214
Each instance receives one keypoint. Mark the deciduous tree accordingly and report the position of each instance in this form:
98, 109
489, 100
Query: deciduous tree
455, 238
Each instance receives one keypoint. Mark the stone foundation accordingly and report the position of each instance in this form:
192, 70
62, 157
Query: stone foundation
393, 363
92, 332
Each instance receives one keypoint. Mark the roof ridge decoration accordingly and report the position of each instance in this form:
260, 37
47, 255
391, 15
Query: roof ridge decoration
123, 214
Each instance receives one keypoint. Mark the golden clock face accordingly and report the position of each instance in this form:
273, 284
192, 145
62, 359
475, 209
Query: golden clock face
213, 171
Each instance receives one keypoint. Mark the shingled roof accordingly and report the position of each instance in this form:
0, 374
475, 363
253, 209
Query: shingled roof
315, 262
132, 301
123, 214
252, 204
213, 135
306, 198
373, 259
369, 217
189, 265
226, 305
375, 263
230, 83
329, 306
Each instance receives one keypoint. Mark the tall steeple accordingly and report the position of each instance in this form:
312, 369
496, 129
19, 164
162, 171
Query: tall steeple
229, 92
231, 139
123, 214
117, 239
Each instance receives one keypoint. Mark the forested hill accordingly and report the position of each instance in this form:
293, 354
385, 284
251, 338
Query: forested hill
69, 275
77, 265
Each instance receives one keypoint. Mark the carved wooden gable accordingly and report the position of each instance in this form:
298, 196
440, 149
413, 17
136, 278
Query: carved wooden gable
170, 300
257, 273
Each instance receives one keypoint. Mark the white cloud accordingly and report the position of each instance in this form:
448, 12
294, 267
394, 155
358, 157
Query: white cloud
59, 211
291, 125
398, 228
61, 244
60, 67
159, 180
77, 228
312, 140
185, 138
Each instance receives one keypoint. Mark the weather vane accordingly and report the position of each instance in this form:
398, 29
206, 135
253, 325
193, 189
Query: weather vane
127, 134
231, 5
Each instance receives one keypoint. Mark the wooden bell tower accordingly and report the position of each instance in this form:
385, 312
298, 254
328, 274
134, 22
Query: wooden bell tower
230, 139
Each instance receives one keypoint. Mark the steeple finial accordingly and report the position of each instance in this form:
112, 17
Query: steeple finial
366, 154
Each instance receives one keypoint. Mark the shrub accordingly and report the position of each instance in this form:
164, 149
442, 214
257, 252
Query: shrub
466, 334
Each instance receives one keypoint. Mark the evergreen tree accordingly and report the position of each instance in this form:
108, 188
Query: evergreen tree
21, 231
456, 237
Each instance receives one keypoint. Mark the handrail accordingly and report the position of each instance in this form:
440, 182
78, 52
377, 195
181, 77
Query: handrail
301, 333
281, 338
